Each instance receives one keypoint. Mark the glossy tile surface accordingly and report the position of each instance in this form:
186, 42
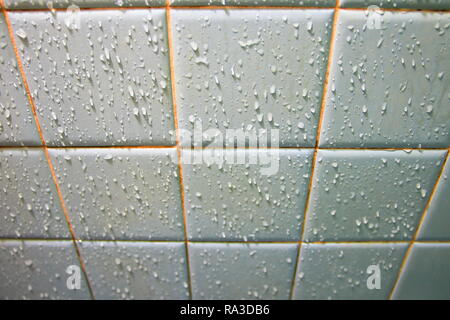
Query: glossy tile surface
94, 81
137, 270
370, 195
29, 203
39, 270
389, 82
348, 271
251, 70
241, 201
426, 273
17, 125
321, 140
118, 194
241, 271
436, 224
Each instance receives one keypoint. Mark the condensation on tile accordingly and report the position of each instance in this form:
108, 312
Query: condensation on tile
400, 4
29, 203
136, 270
17, 125
121, 194
370, 195
245, 194
252, 70
425, 275
275, 3
241, 271
389, 81
98, 77
70, 4
348, 271
40, 270
436, 225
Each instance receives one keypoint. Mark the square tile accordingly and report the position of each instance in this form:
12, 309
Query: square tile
241, 271
293, 3
348, 271
436, 225
39, 270
425, 275
408, 4
369, 195
121, 193
251, 70
98, 77
237, 201
36, 4
28, 197
17, 125
136, 270
389, 82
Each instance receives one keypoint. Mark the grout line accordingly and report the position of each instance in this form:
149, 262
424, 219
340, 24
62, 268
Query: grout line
316, 148
406, 149
419, 225
230, 241
178, 146
44, 146
363, 242
172, 7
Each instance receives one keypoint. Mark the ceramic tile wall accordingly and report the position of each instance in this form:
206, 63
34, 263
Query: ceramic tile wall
102, 197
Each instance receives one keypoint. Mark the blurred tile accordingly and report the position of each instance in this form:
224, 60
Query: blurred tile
436, 225
407, 4
251, 70
241, 271
38, 270
42, 4
370, 195
28, 198
104, 80
121, 193
425, 275
235, 200
17, 125
389, 81
136, 270
290, 3
347, 271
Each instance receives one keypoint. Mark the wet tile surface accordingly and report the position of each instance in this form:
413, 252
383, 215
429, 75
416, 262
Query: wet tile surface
348, 271
137, 270
153, 220
246, 201
17, 124
38, 270
30, 207
241, 271
252, 70
94, 81
389, 82
370, 195
121, 193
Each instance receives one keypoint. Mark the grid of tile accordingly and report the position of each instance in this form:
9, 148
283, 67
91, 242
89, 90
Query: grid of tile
95, 173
